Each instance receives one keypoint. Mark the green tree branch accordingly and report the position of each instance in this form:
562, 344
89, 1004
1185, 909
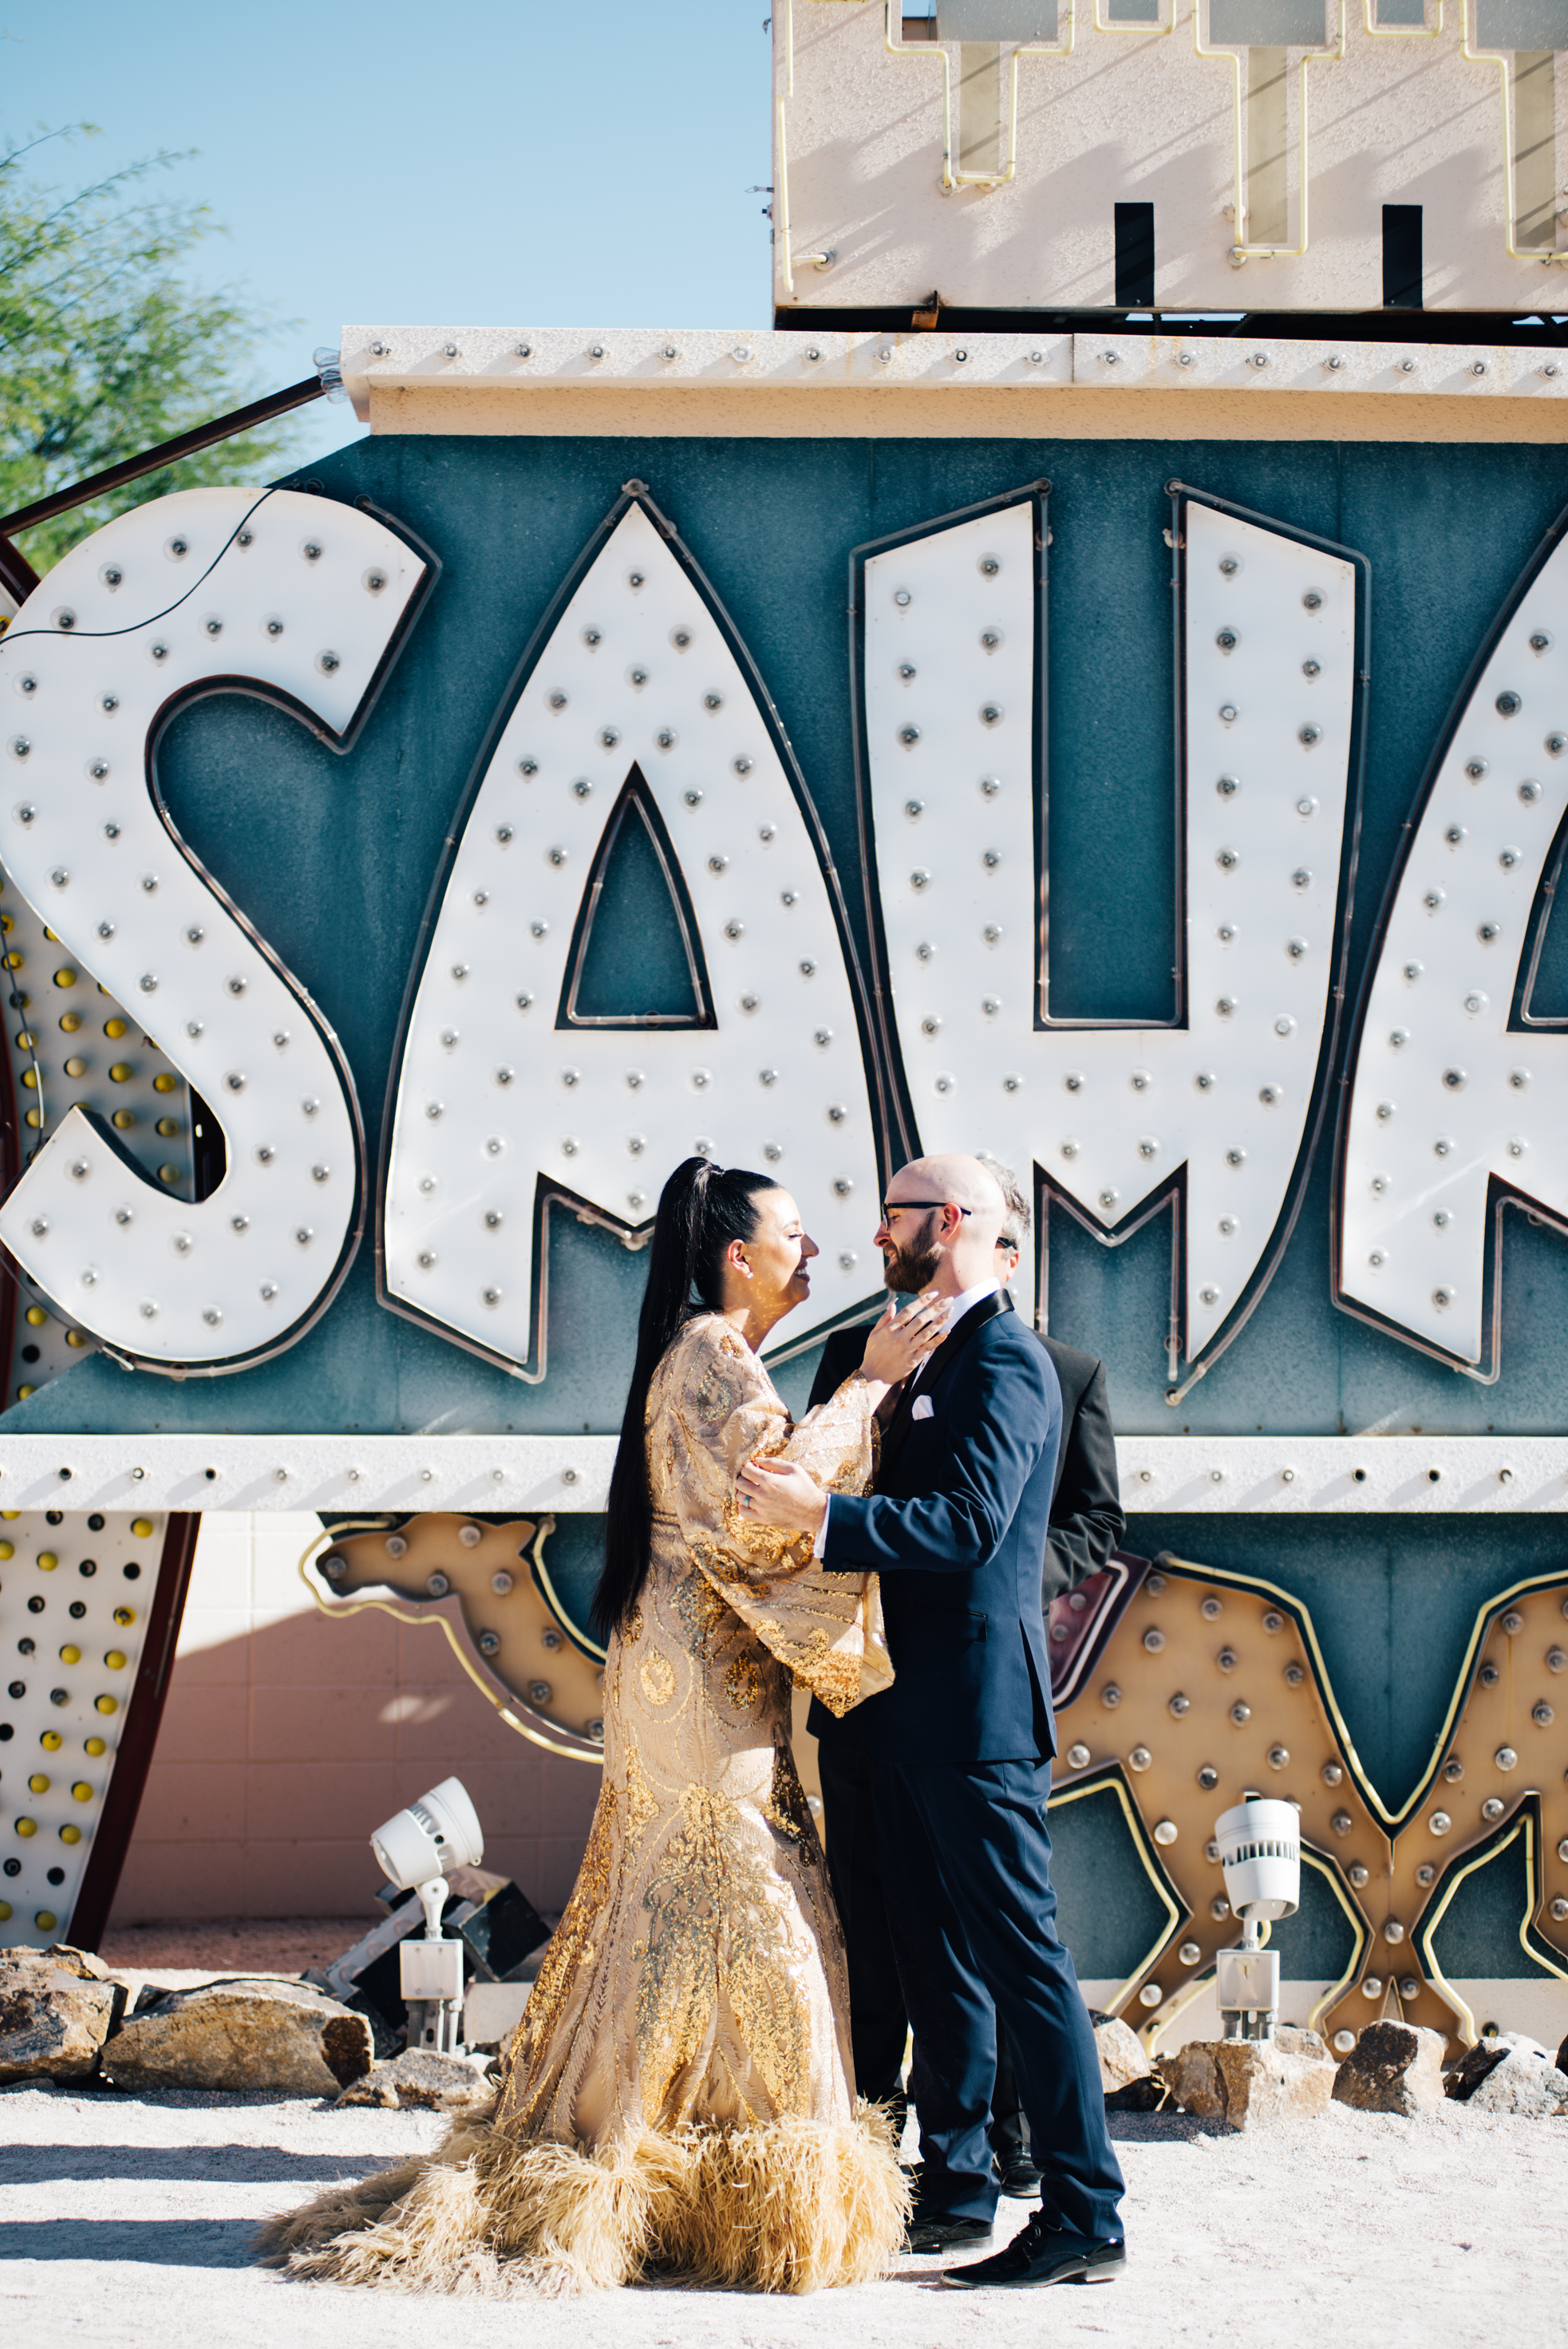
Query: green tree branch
105, 351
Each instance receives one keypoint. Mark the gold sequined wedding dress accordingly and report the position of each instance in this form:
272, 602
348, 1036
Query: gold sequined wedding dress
678, 2094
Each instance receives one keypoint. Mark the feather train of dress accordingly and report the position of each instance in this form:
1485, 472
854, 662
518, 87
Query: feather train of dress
677, 2097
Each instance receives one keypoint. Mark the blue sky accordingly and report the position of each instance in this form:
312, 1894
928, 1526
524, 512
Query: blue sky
514, 162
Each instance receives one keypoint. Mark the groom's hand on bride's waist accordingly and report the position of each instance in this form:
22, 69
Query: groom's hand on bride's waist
777, 1493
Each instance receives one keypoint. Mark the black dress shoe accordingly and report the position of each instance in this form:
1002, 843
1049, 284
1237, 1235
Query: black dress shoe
1044, 2254
1017, 2175
933, 2232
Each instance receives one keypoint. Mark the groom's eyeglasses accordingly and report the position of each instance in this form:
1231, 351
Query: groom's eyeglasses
890, 1207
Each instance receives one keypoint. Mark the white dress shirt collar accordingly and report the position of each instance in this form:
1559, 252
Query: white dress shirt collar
967, 1296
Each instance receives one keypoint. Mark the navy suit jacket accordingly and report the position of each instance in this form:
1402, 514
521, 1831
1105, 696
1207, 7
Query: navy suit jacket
1086, 1521
956, 1528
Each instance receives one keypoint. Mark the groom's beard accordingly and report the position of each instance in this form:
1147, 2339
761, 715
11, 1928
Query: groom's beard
908, 1270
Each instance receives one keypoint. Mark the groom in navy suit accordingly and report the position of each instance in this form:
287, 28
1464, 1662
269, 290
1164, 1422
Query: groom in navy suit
958, 1751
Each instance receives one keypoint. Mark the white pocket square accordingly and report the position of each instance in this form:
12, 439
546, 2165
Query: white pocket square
924, 1408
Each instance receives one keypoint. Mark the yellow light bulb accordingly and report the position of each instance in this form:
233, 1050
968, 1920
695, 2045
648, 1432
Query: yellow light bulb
70, 1833
107, 1703
142, 1527
4, 1912
70, 1022
169, 1174
26, 1826
125, 1616
82, 1791
46, 1921
70, 1655
51, 1740
76, 1066
7, 1549
119, 1073
163, 1082
115, 1027
65, 977
37, 1316
115, 1659
23, 1393
94, 1746
124, 1118
48, 1559
38, 1784
75, 1337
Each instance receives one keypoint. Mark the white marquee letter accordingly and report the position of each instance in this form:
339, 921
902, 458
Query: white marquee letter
504, 1095
301, 600
1451, 1101
1114, 1116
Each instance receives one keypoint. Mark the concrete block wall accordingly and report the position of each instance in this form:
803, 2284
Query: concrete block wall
286, 1739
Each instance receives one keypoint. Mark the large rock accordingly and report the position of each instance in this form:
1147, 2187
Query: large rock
1245, 2082
1130, 2083
1123, 2055
1524, 2083
1393, 2068
1463, 2078
420, 2078
57, 2006
1476, 2065
243, 2033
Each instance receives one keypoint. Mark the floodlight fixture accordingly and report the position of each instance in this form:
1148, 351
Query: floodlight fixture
415, 1848
1260, 1852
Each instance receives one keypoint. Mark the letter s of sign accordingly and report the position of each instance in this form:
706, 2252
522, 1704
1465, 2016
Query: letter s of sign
1453, 1106
304, 602
1219, 1111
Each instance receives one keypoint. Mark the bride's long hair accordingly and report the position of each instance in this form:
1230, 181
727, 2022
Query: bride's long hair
701, 1209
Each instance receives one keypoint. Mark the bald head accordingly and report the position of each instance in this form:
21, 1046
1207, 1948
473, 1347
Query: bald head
954, 1250
954, 1176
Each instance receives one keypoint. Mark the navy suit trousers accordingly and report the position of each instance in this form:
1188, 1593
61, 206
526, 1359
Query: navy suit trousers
973, 1919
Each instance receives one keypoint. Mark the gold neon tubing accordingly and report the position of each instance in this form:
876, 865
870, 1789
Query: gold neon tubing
1239, 251
919, 50
1548, 255
399, 1611
1523, 1824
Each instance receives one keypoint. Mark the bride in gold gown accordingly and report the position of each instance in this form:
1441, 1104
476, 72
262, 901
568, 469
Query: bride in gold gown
679, 2097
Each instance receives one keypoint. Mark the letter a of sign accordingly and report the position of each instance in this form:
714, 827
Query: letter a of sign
635, 705
1451, 1109
1219, 1111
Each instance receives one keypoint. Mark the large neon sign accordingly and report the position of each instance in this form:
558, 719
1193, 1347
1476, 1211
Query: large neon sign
637, 704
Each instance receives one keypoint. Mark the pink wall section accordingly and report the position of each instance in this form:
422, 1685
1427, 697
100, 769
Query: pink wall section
288, 1739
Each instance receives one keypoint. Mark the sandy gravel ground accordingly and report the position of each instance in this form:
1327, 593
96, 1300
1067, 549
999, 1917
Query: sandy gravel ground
127, 2219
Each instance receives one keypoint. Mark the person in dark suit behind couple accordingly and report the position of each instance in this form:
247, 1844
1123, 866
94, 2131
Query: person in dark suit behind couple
1086, 1524
958, 1751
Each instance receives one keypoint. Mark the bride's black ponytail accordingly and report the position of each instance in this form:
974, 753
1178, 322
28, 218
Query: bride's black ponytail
701, 1209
